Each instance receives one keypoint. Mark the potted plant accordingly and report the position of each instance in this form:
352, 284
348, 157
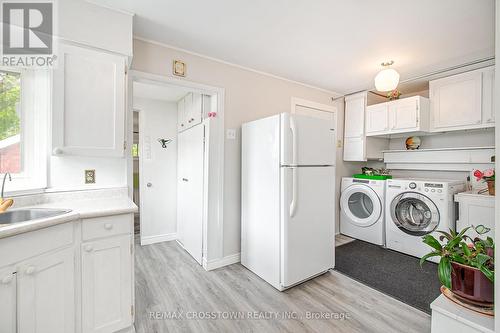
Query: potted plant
488, 176
466, 266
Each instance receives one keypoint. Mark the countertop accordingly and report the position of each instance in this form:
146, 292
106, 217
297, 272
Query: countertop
80, 209
474, 193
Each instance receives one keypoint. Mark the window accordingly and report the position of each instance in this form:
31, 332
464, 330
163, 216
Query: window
24, 110
10, 122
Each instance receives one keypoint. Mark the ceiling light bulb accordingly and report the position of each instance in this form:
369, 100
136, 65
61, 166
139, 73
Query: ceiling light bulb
387, 79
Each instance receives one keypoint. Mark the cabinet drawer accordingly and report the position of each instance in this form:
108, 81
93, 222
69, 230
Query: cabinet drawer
107, 226
27, 245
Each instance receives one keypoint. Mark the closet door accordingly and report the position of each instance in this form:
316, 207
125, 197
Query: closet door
190, 190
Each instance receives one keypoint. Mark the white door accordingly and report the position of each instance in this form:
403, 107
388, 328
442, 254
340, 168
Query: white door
158, 171
190, 190
307, 140
404, 114
46, 293
181, 115
106, 284
8, 303
88, 102
355, 116
308, 218
377, 118
456, 101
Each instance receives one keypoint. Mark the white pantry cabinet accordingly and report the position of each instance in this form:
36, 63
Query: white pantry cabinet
405, 115
88, 102
354, 129
462, 101
191, 110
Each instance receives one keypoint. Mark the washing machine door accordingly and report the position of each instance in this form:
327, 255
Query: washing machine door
361, 205
414, 213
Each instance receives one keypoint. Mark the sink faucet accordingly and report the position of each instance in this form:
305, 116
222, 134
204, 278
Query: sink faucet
3, 183
5, 204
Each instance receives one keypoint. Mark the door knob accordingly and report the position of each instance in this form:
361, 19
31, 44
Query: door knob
30, 270
7, 279
149, 184
185, 180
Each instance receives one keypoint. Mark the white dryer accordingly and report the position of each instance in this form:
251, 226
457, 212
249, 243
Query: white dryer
362, 209
415, 208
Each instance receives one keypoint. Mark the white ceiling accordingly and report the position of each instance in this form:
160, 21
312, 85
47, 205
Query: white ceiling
333, 44
159, 92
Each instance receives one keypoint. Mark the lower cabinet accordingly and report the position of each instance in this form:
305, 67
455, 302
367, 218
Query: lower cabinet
42, 269
107, 284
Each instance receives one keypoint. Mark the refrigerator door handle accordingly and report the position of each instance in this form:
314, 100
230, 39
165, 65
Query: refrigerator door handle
293, 129
293, 203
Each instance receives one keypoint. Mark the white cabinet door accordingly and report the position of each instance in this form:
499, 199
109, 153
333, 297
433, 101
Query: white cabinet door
190, 190
456, 102
403, 114
88, 103
355, 149
196, 109
377, 119
8, 303
46, 293
355, 116
488, 111
181, 115
107, 284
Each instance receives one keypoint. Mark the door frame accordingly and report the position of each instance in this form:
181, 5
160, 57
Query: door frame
213, 196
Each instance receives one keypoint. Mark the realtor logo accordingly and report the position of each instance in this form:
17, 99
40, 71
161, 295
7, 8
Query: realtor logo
27, 33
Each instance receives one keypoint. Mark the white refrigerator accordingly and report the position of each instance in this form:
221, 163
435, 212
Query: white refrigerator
288, 198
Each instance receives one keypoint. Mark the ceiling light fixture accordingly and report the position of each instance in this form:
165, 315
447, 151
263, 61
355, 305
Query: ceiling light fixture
388, 78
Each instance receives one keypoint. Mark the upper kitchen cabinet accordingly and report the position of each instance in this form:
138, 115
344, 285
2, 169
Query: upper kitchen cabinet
405, 115
88, 102
191, 109
463, 101
354, 129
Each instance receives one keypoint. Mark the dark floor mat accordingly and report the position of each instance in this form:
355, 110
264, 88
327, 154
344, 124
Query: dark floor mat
395, 274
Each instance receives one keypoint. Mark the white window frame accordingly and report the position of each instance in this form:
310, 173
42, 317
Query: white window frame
34, 131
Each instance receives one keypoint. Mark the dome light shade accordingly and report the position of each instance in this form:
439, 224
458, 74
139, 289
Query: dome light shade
387, 80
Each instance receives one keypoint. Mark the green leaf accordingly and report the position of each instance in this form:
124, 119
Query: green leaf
429, 255
482, 258
466, 249
432, 242
457, 258
447, 235
454, 242
444, 272
488, 273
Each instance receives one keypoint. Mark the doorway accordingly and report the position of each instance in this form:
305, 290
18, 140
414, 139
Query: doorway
178, 170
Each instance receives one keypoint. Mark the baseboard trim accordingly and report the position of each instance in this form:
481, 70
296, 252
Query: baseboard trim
147, 240
218, 263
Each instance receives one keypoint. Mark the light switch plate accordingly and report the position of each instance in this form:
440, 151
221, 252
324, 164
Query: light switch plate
89, 176
231, 134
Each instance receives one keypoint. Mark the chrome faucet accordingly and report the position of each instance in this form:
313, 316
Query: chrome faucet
3, 183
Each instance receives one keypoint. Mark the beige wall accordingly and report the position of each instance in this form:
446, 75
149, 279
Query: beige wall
248, 96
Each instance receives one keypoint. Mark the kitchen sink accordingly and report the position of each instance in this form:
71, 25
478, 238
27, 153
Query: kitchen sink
24, 215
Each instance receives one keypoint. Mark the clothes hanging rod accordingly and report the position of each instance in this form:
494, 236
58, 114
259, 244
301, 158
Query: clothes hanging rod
423, 76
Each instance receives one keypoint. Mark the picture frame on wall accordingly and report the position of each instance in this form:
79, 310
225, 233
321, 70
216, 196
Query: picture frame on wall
179, 68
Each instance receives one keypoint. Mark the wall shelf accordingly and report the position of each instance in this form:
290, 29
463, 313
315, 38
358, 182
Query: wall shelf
445, 159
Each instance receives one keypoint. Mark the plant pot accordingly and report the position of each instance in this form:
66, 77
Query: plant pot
471, 284
491, 187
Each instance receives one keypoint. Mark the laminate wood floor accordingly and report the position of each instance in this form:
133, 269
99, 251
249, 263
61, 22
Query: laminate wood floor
172, 289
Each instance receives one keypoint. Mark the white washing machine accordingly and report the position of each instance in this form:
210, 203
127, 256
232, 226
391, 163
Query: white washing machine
362, 209
417, 207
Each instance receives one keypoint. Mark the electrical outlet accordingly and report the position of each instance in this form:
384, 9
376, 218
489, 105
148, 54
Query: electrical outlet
89, 176
339, 143
231, 134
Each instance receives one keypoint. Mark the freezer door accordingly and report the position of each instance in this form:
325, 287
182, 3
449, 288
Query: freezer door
307, 140
307, 222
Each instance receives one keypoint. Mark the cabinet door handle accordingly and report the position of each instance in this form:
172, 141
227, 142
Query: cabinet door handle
108, 226
30, 270
88, 248
7, 279
185, 180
